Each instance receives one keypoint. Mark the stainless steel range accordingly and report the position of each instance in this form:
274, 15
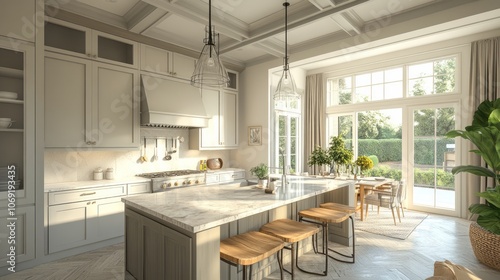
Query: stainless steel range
162, 181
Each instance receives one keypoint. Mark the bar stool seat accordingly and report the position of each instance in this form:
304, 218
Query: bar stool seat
249, 248
323, 217
290, 231
350, 210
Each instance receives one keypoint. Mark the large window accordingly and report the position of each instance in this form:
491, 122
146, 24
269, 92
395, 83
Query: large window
375, 111
286, 148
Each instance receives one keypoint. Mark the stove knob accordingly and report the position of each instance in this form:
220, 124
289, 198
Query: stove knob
164, 185
175, 184
188, 182
196, 182
169, 185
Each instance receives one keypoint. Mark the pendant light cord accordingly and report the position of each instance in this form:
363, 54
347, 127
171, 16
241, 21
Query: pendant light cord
210, 22
286, 4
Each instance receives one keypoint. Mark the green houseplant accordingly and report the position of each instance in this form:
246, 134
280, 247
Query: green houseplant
261, 171
336, 154
484, 133
319, 157
364, 162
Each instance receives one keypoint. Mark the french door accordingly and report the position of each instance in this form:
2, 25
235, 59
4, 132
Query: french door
431, 158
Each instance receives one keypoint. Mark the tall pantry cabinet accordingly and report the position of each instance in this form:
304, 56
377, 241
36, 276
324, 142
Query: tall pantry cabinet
17, 133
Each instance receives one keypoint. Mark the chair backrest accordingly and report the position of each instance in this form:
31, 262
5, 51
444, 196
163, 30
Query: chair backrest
402, 192
396, 192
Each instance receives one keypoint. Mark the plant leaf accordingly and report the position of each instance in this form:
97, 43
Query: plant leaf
482, 209
476, 170
490, 223
493, 197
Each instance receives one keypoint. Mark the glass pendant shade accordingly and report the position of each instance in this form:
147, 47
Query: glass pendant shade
286, 89
209, 70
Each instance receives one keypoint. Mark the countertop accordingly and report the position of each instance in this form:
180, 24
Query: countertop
92, 184
199, 208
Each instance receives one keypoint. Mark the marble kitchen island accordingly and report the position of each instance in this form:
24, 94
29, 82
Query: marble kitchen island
176, 234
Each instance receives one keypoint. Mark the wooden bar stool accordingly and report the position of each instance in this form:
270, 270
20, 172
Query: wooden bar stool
323, 217
350, 210
292, 232
249, 248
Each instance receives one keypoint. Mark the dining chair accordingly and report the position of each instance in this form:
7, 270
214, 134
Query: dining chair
387, 198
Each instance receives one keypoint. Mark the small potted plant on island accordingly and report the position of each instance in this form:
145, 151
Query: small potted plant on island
261, 171
338, 153
484, 133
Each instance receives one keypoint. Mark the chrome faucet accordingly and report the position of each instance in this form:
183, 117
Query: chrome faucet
283, 176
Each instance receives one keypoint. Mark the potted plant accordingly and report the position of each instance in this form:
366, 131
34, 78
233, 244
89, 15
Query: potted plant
319, 157
338, 153
261, 172
484, 133
364, 163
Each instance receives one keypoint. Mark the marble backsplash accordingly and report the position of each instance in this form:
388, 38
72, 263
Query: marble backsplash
68, 165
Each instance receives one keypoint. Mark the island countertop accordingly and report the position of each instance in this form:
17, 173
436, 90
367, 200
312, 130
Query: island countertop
199, 208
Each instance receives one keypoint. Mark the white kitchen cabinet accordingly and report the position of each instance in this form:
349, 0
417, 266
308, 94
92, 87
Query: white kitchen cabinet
222, 131
18, 18
71, 225
139, 188
90, 104
17, 143
23, 223
84, 216
71, 39
164, 62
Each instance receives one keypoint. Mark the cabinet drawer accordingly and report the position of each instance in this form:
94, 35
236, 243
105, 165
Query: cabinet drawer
86, 194
212, 179
238, 175
229, 177
139, 188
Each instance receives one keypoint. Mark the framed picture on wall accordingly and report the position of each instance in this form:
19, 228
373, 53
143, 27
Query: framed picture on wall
254, 135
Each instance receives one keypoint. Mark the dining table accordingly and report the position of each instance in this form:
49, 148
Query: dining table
365, 184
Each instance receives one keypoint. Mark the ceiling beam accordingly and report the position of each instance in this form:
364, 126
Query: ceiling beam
272, 46
294, 24
225, 23
142, 16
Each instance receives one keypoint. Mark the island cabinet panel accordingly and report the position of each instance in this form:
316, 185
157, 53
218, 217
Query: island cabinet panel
155, 251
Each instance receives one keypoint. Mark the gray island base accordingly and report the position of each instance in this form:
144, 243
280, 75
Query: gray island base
176, 234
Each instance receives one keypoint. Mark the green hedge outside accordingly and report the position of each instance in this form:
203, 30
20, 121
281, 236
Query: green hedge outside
422, 177
390, 149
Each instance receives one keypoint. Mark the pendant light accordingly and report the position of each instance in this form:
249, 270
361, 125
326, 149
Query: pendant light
286, 90
209, 70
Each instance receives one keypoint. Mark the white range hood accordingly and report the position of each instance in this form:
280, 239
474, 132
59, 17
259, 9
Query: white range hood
171, 103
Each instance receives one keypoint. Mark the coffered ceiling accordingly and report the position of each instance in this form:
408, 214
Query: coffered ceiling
252, 30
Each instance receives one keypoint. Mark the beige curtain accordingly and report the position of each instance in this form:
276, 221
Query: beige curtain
315, 118
484, 79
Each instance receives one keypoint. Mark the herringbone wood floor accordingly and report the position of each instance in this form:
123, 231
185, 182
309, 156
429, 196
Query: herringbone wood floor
378, 257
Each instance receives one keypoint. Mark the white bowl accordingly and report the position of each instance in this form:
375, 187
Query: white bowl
8, 95
5, 124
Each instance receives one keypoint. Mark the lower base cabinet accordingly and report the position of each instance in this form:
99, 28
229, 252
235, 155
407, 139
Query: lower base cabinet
155, 251
80, 223
18, 232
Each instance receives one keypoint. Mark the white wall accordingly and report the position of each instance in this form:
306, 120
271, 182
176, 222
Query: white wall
66, 165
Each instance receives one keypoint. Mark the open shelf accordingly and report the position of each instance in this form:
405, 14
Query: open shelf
11, 73
11, 130
11, 101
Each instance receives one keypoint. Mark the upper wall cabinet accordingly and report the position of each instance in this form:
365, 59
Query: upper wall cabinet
90, 104
18, 19
233, 80
222, 131
71, 39
166, 63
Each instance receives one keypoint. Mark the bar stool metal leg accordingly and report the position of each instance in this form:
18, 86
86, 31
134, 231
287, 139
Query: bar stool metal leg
323, 247
353, 255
